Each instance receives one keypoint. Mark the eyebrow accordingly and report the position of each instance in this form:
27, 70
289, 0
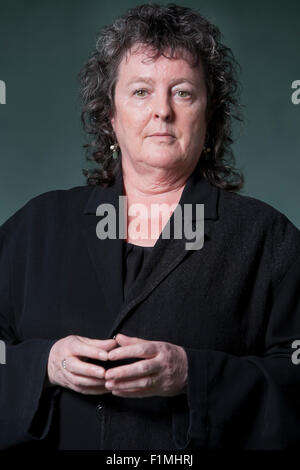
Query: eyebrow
149, 80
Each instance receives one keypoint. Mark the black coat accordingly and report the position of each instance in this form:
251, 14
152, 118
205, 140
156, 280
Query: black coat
234, 305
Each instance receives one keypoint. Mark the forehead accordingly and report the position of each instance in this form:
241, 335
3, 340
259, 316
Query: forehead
139, 61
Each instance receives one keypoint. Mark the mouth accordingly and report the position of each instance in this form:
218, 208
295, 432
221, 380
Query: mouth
161, 134
163, 137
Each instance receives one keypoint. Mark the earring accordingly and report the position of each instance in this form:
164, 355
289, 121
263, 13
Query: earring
206, 150
114, 148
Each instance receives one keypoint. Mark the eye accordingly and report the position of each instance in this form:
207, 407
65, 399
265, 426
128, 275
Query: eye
183, 93
140, 93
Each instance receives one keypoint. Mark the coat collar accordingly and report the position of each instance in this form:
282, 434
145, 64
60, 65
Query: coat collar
107, 258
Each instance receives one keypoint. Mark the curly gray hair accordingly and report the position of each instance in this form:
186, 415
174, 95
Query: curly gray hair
164, 28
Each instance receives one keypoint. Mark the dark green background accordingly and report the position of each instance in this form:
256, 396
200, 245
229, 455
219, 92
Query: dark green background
43, 45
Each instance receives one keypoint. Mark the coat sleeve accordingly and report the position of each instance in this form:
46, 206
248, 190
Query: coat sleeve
253, 402
26, 407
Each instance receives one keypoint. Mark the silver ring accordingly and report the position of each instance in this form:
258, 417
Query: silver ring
64, 363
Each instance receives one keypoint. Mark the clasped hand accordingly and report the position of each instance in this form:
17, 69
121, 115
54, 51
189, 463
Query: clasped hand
160, 368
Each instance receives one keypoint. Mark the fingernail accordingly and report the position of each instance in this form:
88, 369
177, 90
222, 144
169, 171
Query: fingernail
109, 375
103, 355
109, 384
100, 373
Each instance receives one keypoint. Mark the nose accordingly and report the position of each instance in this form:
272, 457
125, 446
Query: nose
162, 108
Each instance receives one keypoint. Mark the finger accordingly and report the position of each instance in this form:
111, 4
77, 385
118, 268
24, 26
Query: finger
78, 367
135, 370
106, 344
142, 383
143, 349
111, 346
124, 340
138, 393
83, 382
81, 348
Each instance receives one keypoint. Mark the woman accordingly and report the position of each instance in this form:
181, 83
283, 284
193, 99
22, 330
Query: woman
207, 335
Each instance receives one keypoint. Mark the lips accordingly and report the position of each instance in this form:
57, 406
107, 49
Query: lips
161, 134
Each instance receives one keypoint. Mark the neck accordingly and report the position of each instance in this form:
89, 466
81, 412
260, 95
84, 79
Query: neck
153, 184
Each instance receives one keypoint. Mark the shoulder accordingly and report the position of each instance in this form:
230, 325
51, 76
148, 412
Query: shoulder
60, 198
254, 221
251, 211
48, 208
239, 203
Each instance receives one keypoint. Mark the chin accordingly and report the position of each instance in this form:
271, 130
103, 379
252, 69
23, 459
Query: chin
162, 158
162, 162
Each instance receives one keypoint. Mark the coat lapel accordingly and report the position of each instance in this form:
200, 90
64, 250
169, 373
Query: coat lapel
107, 255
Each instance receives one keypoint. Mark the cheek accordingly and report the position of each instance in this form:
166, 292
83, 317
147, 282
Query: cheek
198, 123
130, 126
194, 130
193, 127
134, 121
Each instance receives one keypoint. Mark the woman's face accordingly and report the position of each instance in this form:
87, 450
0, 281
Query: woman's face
159, 96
